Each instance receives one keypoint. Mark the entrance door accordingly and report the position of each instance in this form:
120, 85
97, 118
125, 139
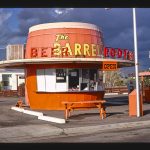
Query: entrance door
73, 79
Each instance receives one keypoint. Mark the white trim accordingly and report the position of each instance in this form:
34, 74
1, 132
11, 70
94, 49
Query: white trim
35, 113
40, 115
52, 119
63, 25
63, 60
17, 109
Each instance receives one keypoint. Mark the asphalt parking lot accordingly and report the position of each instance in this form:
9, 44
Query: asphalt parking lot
117, 111
10, 118
20, 127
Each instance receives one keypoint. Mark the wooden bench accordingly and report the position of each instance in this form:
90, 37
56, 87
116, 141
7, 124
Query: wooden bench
69, 106
118, 90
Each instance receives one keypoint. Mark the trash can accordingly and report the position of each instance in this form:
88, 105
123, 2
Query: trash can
133, 104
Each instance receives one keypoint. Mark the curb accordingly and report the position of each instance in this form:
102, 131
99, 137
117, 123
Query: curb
34, 113
39, 115
52, 119
17, 109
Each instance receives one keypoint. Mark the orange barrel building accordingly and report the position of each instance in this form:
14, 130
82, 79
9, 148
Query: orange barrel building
65, 79
63, 62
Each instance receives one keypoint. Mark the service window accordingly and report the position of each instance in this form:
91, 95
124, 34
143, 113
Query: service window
62, 80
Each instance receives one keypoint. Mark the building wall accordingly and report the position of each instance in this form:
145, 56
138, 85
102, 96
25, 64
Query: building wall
70, 40
64, 42
53, 100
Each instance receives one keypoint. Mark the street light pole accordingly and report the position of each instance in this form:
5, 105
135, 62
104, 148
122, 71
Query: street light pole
136, 64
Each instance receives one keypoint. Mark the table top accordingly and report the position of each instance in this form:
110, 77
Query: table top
81, 102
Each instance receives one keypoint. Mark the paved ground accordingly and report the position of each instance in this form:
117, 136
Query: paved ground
117, 112
19, 127
127, 135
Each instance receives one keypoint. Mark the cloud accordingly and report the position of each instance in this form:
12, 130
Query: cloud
4, 16
57, 11
60, 11
116, 24
7, 31
123, 39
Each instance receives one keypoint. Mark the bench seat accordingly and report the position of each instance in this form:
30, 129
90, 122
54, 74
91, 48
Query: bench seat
70, 106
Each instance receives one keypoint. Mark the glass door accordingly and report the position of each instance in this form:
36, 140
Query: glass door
73, 79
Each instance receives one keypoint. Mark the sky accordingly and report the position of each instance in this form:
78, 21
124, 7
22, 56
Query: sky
115, 23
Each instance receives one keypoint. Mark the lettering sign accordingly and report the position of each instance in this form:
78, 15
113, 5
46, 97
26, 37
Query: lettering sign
62, 48
109, 66
118, 53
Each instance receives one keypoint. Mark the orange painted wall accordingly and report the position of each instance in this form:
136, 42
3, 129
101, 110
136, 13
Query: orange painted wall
52, 100
47, 38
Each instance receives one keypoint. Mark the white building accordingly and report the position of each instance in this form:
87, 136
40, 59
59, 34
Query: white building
10, 79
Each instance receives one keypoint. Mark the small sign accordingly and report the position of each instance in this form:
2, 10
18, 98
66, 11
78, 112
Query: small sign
109, 66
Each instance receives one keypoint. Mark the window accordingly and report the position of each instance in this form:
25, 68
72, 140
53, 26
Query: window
6, 78
62, 79
93, 79
5, 83
46, 80
50, 80
41, 80
85, 80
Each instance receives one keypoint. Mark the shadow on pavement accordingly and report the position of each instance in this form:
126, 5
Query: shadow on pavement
83, 115
145, 112
116, 101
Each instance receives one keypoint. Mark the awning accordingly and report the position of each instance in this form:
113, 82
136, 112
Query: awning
21, 63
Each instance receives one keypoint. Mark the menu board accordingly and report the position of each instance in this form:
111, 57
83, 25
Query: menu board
60, 75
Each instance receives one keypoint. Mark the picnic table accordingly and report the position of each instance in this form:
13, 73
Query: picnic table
70, 105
